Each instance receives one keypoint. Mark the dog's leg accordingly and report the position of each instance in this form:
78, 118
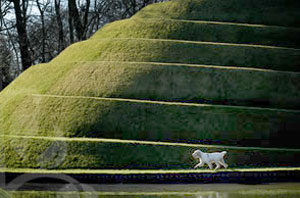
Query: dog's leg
218, 166
222, 162
197, 165
200, 164
210, 165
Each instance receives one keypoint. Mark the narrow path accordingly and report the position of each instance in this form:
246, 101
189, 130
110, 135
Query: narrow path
136, 171
189, 65
196, 42
105, 140
166, 103
218, 23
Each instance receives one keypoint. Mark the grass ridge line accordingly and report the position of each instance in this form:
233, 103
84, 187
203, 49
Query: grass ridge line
216, 22
106, 140
188, 65
138, 171
198, 42
165, 103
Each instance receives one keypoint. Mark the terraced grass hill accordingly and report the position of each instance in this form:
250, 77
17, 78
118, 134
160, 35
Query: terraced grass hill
220, 72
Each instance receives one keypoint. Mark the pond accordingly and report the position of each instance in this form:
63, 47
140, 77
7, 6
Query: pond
275, 190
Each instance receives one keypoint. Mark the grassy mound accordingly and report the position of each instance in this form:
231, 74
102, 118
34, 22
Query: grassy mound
210, 71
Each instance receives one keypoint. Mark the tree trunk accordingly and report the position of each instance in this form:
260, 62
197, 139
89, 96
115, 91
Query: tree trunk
20, 14
71, 30
61, 44
86, 19
43, 31
76, 19
1, 78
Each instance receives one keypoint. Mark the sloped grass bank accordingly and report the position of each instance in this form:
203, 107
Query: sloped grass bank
77, 153
48, 115
162, 82
181, 83
276, 12
171, 51
161, 28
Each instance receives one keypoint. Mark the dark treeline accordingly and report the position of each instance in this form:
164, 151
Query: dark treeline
35, 31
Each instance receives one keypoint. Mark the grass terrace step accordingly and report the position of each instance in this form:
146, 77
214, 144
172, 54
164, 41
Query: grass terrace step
182, 83
48, 115
161, 28
77, 153
275, 12
171, 51
165, 82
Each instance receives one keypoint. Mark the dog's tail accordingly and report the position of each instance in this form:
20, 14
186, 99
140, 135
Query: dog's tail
224, 152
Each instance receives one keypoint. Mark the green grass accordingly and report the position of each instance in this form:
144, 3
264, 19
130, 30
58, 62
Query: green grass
155, 28
4, 194
275, 12
149, 120
154, 81
171, 51
149, 80
79, 154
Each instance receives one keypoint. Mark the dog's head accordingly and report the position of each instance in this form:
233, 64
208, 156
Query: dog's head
196, 154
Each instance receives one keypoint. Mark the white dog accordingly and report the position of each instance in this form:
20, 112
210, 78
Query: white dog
209, 158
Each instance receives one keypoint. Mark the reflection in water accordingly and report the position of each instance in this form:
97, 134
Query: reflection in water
213, 195
286, 190
149, 195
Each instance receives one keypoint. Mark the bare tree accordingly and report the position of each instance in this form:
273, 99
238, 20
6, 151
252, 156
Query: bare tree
42, 7
61, 43
20, 9
75, 18
4, 9
5, 62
